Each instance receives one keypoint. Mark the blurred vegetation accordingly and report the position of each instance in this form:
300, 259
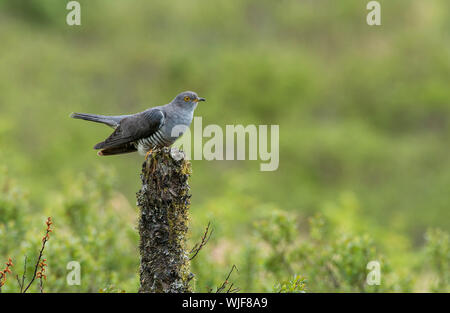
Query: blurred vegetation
364, 132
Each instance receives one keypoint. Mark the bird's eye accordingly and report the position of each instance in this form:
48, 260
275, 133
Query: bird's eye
186, 98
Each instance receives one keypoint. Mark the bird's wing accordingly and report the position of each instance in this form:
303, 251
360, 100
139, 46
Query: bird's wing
134, 127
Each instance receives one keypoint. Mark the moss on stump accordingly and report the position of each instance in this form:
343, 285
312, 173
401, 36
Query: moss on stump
164, 202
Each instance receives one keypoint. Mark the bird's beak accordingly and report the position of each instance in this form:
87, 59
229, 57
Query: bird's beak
201, 99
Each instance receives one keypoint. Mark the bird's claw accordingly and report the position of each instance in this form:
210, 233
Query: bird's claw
148, 154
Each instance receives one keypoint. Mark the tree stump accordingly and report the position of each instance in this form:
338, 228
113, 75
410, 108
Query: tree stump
164, 202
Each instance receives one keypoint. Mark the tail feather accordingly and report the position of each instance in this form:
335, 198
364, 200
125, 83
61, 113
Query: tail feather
100, 145
112, 121
127, 148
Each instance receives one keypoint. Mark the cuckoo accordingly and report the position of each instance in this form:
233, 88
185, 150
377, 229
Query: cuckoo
156, 127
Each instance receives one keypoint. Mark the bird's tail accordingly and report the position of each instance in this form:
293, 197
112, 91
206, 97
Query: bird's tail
112, 121
126, 148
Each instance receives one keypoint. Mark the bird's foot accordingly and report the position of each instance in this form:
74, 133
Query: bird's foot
153, 163
148, 154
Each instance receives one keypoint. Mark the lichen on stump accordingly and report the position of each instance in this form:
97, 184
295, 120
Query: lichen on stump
164, 202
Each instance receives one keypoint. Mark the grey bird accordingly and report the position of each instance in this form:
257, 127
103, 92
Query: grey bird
156, 127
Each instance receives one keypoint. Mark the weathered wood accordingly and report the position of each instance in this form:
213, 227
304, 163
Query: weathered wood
164, 202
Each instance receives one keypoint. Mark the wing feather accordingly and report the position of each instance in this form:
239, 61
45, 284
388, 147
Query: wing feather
133, 128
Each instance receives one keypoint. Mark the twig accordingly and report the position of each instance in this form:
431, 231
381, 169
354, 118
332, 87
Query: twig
21, 282
44, 241
198, 246
18, 280
41, 274
4, 273
41, 285
24, 273
226, 282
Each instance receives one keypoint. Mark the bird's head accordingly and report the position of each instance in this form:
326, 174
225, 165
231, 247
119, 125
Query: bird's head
187, 100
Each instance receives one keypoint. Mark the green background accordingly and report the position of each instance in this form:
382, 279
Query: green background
364, 137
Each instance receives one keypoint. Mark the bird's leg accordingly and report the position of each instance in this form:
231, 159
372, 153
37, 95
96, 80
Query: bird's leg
153, 163
148, 154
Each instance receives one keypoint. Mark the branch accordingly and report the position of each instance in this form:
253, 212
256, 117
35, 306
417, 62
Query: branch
21, 282
41, 274
4, 273
41, 252
226, 282
198, 246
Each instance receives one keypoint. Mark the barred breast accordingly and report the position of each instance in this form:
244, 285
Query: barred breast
157, 140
